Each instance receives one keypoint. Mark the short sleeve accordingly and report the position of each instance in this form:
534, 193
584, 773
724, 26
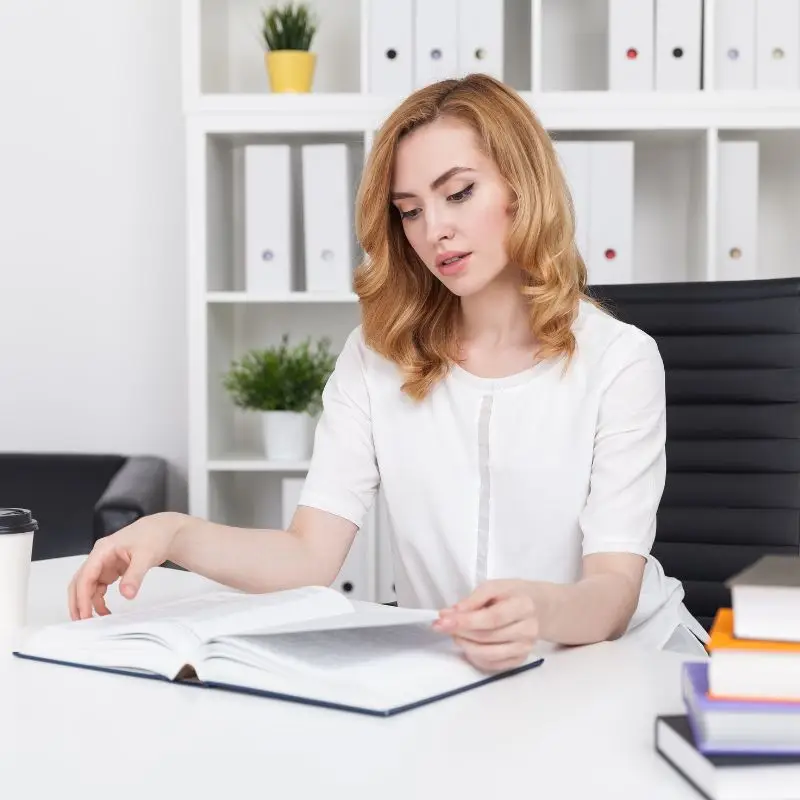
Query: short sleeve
343, 475
629, 462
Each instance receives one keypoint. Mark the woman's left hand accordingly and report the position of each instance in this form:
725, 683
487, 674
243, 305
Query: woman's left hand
496, 626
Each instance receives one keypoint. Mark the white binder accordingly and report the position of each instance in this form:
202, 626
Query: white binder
327, 218
435, 41
355, 577
737, 211
777, 43
631, 33
480, 37
734, 44
385, 588
679, 33
391, 52
268, 219
611, 213
574, 158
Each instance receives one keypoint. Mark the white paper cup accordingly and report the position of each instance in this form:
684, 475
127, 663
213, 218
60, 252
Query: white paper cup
17, 527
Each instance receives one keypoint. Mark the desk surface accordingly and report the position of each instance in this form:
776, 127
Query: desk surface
579, 726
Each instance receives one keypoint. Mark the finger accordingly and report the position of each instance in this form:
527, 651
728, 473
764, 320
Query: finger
526, 630
493, 656
485, 594
99, 600
502, 613
86, 583
134, 575
72, 600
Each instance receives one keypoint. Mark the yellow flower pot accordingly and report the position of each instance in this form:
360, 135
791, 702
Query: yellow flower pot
290, 70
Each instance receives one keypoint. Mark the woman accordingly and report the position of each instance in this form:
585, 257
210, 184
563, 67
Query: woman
516, 430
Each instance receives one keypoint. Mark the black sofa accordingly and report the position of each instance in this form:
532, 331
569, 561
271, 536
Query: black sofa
78, 498
731, 352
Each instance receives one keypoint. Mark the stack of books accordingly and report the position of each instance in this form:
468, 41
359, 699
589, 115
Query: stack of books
740, 735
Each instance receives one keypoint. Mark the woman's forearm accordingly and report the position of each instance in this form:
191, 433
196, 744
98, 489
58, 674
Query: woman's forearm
596, 608
252, 560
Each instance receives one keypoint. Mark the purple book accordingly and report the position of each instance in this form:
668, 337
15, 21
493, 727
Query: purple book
738, 726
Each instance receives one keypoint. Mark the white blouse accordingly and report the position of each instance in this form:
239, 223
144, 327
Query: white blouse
514, 477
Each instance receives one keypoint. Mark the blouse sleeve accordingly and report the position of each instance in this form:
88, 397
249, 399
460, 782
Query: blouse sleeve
343, 476
629, 463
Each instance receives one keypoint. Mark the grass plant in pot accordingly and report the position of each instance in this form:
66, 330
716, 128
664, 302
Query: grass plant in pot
284, 384
286, 34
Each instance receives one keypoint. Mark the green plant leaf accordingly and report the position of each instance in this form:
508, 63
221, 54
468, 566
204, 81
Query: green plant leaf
281, 378
288, 27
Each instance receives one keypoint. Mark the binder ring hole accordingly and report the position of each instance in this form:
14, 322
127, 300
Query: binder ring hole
733, 54
632, 53
267, 255
678, 52
347, 586
391, 54
327, 255
778, 53
436, 54
480, 54
611, 254
735, 252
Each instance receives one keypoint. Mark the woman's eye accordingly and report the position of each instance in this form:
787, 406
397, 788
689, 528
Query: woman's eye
462, 195
413, 214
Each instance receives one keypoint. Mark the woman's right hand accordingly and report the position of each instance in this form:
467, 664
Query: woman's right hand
127, 554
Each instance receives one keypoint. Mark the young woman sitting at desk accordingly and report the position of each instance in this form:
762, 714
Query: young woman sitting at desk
517, 430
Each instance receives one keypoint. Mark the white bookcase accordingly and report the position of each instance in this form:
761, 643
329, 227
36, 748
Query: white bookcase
556, 55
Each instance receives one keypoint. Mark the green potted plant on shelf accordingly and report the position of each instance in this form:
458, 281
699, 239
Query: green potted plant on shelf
286, 33
284, 384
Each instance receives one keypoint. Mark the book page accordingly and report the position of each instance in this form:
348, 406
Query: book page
181, 625
229, 613
378, 667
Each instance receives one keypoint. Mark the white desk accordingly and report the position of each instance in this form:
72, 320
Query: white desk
580, 726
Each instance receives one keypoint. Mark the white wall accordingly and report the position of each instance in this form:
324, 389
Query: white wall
92, 317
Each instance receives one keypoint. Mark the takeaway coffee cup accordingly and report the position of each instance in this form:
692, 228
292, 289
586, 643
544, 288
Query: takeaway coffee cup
17, 527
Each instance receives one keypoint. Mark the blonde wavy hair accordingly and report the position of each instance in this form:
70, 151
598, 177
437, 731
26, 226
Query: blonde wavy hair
409, 316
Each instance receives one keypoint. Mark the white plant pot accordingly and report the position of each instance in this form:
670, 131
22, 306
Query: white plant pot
287, 435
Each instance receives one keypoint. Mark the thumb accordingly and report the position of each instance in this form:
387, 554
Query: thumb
483, 595
134, 574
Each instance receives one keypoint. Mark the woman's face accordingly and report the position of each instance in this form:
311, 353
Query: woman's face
453, 203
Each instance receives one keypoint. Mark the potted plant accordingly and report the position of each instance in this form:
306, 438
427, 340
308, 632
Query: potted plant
286, 33
285, 385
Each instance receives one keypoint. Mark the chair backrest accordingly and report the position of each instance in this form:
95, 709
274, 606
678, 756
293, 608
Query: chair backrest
731, 351
61, 489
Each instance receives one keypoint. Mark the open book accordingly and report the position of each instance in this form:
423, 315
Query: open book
310, 645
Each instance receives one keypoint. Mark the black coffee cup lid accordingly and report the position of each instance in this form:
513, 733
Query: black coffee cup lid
17, 520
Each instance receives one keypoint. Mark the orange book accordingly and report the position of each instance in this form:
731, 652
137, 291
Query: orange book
722, 638
751, 669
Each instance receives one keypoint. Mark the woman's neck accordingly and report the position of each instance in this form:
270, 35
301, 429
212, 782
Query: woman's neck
497, 316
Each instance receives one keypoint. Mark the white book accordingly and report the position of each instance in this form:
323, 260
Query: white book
268, 219
574, 160
435, 41
777, 44
631, 44
480, 37
328, 217
734, 45
390, 25
679, 35
737, 211
611, 188
310, 645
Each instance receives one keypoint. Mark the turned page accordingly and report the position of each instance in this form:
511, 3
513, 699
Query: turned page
181, 625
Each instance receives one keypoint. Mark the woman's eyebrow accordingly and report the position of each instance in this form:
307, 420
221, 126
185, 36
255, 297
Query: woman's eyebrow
443, 178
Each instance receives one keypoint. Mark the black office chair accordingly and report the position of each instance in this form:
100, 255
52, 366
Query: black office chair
732, 356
